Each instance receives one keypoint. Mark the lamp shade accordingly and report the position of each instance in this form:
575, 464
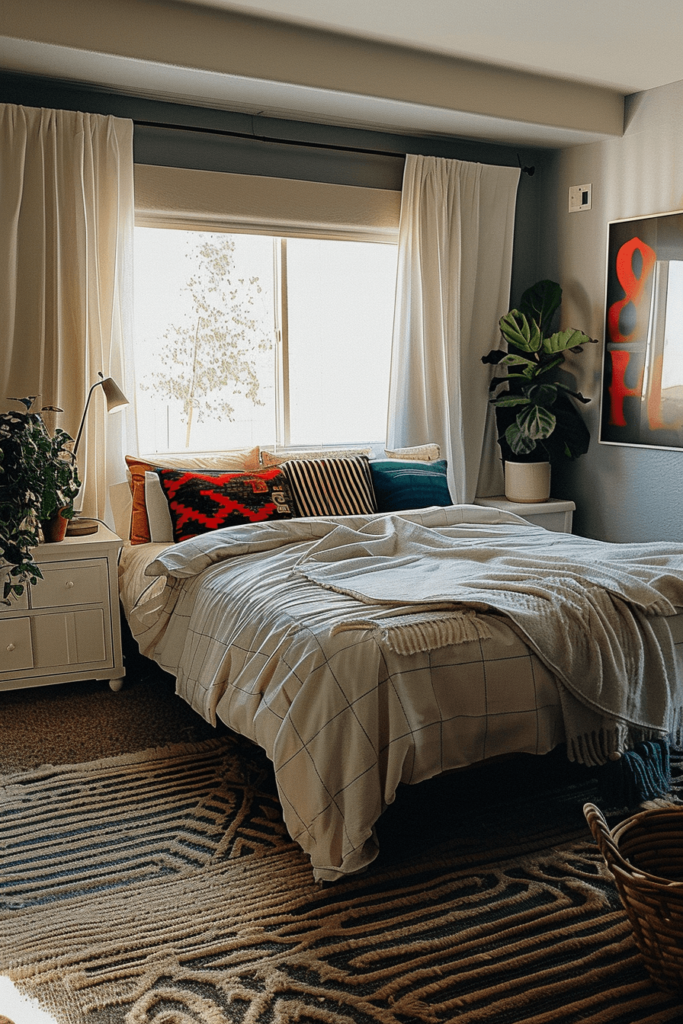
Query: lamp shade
113, 394
114, 398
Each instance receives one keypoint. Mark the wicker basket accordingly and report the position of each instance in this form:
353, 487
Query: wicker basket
644, 853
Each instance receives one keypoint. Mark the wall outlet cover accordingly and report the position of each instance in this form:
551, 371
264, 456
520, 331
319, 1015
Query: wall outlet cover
580, 198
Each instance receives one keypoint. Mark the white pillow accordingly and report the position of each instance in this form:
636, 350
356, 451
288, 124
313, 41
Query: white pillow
272, 459
419, 453
237, 459
158, 516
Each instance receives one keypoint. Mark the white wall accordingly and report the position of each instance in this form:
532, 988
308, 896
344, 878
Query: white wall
622, 494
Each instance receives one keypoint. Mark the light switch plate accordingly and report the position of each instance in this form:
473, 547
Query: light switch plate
579, 198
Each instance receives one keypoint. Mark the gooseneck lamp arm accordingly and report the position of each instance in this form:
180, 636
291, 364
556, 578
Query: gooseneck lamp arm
85, 412
114, 396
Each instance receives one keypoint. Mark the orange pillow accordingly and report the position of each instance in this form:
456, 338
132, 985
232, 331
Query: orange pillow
139, 524
240, 459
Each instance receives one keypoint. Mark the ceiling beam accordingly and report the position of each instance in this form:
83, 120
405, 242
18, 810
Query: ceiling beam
165, 33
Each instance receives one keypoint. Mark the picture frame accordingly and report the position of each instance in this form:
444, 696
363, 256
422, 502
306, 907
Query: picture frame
642, 379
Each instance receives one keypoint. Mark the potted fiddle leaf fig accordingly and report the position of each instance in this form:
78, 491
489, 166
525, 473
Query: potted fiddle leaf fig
38, 483
537, 419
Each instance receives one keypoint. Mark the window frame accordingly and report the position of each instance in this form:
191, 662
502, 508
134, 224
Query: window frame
220, 202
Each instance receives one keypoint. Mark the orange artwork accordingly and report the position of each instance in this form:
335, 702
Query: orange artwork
642, 328
633, 285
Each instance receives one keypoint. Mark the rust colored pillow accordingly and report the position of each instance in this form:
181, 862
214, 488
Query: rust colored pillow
139, 524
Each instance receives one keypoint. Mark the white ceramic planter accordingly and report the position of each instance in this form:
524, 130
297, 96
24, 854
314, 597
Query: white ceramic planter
527, 481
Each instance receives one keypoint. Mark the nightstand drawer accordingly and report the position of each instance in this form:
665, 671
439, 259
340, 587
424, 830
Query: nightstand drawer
69, 638
16, 652
69, 583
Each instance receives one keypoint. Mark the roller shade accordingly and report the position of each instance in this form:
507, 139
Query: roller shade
211, 200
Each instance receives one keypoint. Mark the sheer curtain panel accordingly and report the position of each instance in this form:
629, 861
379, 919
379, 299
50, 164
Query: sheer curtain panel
66, 243
455, 258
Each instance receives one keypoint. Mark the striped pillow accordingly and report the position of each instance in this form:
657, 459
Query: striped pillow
331, 487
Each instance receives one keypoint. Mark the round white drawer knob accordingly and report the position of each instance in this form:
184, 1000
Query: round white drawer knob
69, 585
10, 647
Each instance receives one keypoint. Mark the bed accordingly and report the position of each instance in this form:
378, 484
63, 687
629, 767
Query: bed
323, 680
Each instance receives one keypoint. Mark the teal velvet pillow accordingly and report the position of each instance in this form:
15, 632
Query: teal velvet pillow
400, 484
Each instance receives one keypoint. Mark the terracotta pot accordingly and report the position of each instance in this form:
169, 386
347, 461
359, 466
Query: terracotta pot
527, 481
54, 528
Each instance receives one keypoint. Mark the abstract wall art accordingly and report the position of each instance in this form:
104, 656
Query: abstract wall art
642, 389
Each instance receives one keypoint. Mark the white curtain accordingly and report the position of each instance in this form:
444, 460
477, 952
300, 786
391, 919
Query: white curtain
454, 264
66, 247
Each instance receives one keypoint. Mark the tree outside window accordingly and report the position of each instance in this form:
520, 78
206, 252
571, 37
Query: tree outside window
250, 339
208, 356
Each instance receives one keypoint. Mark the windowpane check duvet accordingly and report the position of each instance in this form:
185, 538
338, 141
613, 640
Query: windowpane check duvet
307, 671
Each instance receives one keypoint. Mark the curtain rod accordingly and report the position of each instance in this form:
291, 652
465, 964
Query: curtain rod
266, 138
285, 142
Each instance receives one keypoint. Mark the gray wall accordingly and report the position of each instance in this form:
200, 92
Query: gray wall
622, 494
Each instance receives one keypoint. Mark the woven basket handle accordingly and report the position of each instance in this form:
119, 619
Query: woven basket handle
603, 837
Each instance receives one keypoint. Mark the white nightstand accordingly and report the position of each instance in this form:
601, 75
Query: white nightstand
552, 514
67, 627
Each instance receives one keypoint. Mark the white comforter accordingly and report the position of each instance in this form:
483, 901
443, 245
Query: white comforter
344, 718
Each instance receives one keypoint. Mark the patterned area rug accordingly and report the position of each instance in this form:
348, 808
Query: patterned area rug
162, 888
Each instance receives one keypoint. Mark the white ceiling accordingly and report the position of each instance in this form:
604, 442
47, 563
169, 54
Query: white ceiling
628, 45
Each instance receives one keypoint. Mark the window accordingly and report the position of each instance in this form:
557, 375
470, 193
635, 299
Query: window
250, 339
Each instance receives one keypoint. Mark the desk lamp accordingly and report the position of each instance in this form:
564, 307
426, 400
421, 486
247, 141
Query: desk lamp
115, 399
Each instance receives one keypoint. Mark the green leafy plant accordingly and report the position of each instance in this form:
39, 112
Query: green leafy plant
38, 478
535, 412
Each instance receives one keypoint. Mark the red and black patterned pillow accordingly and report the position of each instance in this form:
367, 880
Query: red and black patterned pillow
200, 502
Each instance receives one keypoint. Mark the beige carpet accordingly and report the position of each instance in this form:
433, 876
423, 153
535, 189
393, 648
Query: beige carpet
161, 888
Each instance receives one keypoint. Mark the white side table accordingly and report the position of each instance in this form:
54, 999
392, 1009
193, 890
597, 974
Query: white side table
67, 627
553, 514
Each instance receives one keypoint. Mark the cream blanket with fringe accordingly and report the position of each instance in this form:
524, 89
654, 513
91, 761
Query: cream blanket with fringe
413, 632
596, 613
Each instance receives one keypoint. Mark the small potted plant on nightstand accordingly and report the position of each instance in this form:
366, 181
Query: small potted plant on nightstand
538, 422
38, 482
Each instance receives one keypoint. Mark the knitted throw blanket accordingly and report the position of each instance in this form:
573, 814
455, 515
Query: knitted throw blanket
595, 613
